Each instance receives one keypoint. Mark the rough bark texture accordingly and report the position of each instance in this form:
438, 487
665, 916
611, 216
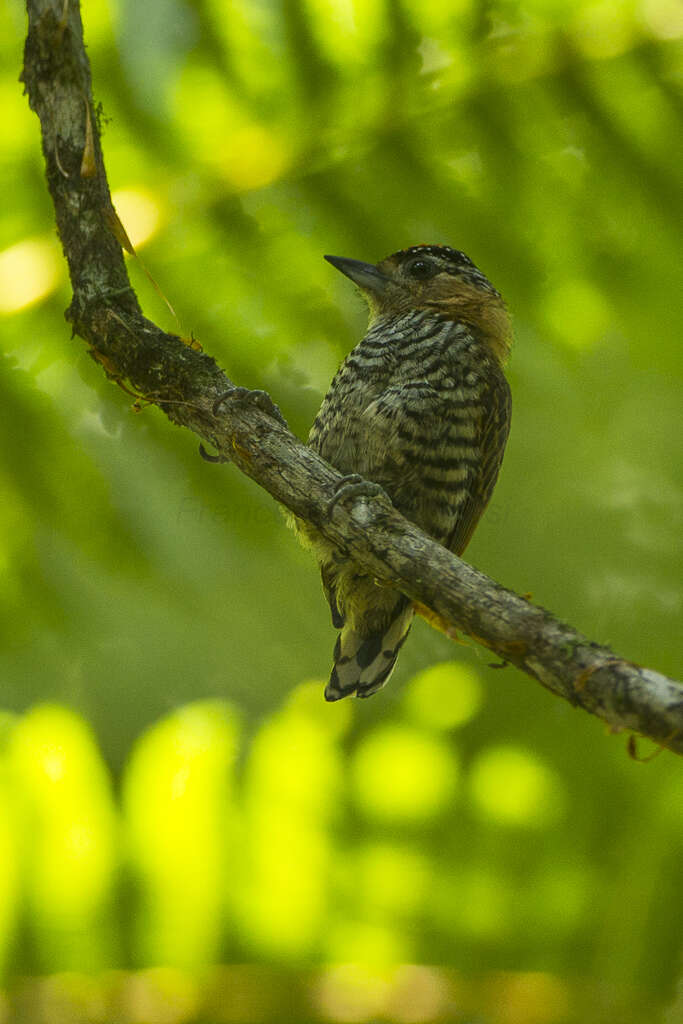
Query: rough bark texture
185, 384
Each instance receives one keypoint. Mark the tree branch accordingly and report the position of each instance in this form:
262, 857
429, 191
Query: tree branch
186, 383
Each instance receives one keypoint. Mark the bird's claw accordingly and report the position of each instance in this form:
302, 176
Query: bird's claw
258, 398
355, 486
211, 458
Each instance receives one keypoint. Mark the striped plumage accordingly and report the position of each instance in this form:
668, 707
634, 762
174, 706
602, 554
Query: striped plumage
421, 407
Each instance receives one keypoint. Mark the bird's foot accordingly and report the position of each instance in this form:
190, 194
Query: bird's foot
211, 458
260, 399
354, 486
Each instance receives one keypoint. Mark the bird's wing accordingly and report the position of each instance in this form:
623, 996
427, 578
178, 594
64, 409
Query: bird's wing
396, 428
438, 474
413, 449
330, 590
494, 428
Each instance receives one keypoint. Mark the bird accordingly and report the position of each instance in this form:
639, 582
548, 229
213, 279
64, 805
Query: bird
420, 407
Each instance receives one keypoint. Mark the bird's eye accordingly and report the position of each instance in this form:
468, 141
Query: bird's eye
420, 269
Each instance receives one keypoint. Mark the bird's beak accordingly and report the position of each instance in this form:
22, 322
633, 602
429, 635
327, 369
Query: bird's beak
365, 275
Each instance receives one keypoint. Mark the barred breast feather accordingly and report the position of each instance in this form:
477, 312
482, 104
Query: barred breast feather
421, 407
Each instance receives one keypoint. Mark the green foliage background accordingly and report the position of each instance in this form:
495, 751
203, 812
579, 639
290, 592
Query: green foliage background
174, 793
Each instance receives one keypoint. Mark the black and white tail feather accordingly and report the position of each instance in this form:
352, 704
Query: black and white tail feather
364, 662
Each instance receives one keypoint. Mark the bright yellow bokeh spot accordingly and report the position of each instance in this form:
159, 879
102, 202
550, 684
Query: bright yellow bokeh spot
139, 212
254, 157
578, 313
510, 786
29, 272
400, 774
284, 900
178, 820
62, 786
444, 696
664, 18
601, 31
296, 762
347, 30
292, 783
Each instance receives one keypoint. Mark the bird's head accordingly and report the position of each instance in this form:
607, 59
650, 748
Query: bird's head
437, 279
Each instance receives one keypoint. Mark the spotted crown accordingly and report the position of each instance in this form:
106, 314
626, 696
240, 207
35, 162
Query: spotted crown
444, 252
450, 261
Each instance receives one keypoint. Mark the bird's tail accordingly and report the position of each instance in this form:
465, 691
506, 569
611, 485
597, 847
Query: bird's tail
363, 662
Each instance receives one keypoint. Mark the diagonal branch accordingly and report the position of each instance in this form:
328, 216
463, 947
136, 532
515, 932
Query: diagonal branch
185, 385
